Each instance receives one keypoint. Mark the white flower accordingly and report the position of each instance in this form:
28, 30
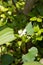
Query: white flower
19, 31
22, 32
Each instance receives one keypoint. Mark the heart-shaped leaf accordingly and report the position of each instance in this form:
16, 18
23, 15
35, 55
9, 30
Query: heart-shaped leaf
29, 29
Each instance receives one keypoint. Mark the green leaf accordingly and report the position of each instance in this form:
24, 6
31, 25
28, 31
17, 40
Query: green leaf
2, 22
29, 29
6, 35
40, 9
32, 63
3, 9
30, 56
33, 19
39, 20
42, 30
39, 38
36, 28
6, 59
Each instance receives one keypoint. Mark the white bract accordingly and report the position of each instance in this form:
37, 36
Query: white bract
22, 32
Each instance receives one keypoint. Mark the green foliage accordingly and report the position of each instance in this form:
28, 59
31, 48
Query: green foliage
6, 35
29, 29
40, 9
36, 19
19, 32
30, 56
6, 59
33, 63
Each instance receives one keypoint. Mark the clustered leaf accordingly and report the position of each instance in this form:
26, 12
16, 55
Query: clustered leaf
30, 56
32, 63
